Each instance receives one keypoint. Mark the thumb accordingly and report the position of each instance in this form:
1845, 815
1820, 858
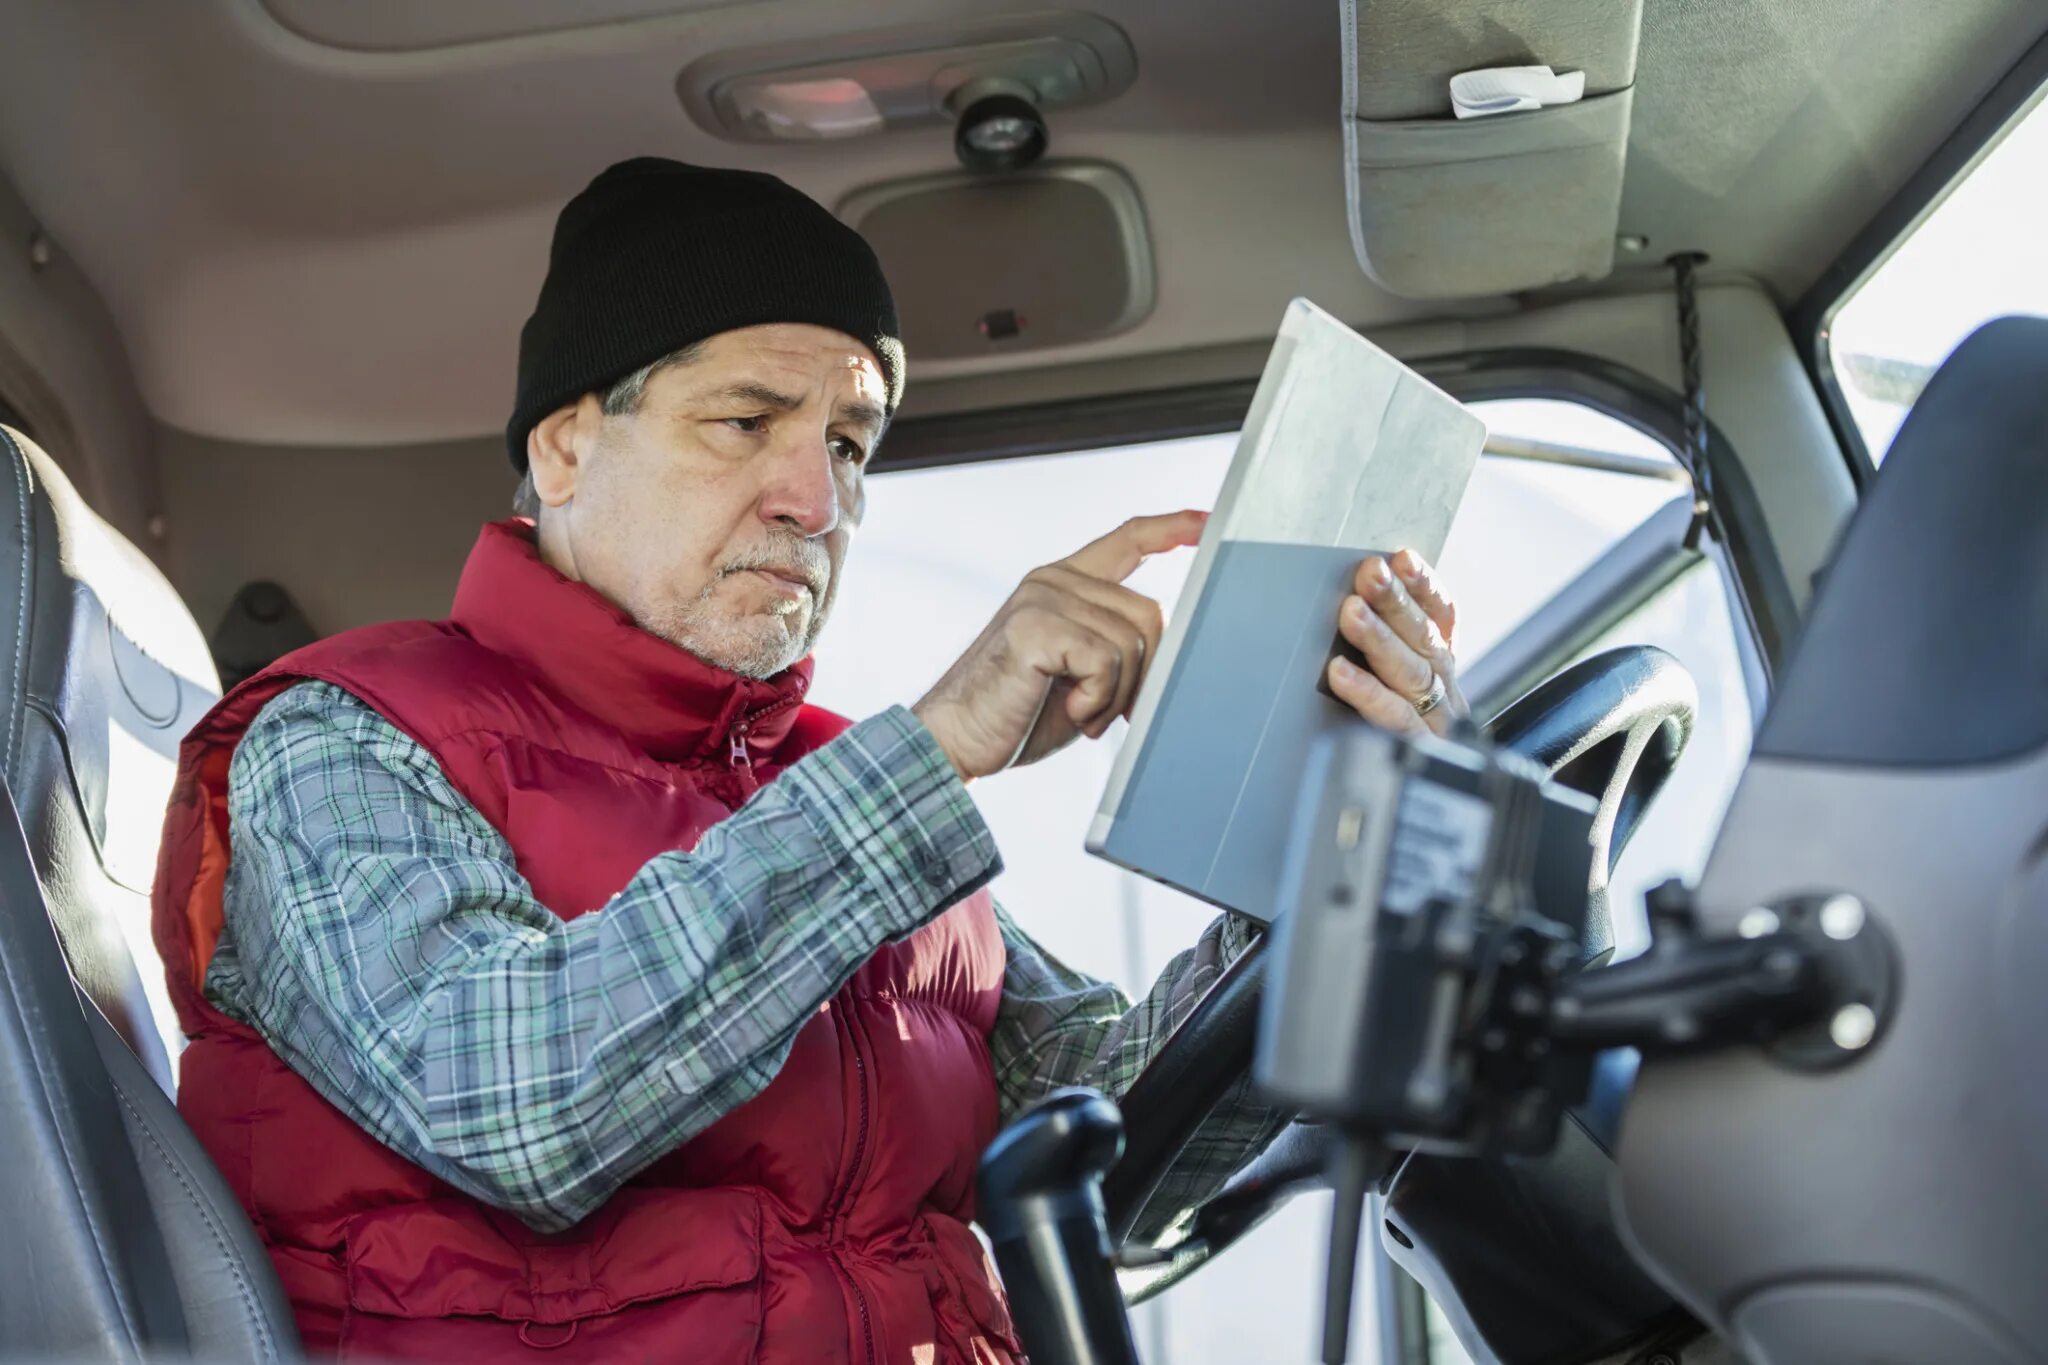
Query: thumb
1117, 555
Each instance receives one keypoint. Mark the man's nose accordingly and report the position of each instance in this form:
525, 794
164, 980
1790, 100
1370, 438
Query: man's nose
802, 491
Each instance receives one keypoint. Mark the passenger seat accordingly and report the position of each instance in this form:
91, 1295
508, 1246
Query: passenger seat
126, 1243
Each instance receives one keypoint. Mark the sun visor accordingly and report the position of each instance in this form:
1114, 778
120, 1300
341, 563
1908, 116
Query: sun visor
1444, 206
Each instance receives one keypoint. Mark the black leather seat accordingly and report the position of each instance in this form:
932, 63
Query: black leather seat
127, 1242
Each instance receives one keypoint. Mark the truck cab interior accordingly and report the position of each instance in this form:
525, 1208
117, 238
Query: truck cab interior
1757, 556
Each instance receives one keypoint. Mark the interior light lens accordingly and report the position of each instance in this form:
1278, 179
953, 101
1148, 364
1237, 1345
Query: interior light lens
801, 110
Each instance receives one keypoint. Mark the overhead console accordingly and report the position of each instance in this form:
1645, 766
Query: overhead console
1448, 207
1015, 251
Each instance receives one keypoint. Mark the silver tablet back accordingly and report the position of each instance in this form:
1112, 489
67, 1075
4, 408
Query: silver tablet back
1345, 451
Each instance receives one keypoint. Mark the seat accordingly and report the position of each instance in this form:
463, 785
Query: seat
103, 672
1890, 1208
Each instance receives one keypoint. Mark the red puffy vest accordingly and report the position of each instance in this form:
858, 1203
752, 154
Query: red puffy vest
825, 1220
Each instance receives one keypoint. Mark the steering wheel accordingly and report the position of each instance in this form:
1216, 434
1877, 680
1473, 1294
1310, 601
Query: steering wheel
1612, 726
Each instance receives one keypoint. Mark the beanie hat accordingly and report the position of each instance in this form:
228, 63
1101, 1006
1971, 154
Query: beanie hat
655, 255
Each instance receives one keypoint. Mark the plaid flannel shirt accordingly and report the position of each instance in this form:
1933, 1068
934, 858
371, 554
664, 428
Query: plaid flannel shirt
380, 938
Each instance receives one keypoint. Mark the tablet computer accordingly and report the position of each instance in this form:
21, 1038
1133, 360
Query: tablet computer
1346, 451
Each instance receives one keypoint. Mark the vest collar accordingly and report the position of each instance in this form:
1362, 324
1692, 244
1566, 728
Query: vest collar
673, 704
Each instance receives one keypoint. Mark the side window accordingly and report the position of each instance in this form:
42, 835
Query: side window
1562, 487
1974, 257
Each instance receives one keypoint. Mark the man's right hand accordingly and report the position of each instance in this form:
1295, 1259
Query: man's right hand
1063, 657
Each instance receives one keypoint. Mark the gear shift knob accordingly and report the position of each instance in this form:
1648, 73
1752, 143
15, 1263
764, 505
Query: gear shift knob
1040, 1190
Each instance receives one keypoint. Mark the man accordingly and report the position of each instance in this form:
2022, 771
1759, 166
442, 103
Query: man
557, 978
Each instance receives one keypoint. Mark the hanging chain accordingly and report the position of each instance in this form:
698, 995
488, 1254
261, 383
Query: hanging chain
1693, 455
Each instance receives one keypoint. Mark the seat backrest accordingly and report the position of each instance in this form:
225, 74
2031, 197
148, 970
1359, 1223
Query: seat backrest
102, 673
128, 1242
1889, 1206
85, 1273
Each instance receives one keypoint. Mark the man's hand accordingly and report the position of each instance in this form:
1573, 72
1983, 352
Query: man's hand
1063, 657
1403, 623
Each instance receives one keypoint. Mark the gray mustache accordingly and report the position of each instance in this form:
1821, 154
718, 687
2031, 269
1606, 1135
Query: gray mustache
799, 558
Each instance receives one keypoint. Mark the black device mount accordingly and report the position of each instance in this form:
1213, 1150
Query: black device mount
1473, 1020
1431, 991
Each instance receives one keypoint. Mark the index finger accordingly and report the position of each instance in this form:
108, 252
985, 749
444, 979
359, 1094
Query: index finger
1117, 555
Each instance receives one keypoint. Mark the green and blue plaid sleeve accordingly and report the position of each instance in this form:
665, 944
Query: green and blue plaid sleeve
380, 937
1057, 1027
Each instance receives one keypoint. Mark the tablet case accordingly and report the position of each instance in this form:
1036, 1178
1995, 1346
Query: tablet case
1345, 451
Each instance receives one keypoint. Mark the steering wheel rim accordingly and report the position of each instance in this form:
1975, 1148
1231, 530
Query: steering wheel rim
1613, 726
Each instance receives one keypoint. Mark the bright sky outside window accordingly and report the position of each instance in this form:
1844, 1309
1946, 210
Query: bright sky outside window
1978, 256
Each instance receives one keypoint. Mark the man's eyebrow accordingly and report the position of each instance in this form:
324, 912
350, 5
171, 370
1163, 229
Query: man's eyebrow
747, 392
863, 413
858, 411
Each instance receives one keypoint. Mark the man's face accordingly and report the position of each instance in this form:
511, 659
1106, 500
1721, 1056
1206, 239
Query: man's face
718, 515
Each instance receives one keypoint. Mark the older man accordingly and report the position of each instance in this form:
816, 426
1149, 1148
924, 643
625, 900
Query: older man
557, 978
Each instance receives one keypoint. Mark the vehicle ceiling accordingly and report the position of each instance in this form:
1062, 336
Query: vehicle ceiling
305, 239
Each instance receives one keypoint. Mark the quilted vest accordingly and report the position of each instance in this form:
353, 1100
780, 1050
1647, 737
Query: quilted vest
824, 1220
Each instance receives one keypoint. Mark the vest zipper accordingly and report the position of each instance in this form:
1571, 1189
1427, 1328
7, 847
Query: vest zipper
737, 755
860, 1300
834, 1224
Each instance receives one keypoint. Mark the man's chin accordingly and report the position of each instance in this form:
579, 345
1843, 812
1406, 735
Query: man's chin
760, 651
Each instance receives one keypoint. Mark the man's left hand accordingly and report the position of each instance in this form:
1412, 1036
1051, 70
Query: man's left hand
1403, 624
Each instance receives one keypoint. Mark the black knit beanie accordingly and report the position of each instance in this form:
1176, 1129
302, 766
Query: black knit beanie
655, 255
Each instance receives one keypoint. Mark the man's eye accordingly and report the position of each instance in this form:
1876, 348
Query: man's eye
751, 425
848, 449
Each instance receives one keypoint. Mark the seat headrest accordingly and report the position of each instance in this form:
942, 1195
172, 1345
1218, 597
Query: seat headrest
1925, 647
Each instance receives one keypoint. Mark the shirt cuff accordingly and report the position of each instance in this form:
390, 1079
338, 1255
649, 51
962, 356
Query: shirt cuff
889, 796
1238, 934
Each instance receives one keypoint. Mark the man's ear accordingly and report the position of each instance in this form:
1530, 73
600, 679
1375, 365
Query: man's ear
559, 446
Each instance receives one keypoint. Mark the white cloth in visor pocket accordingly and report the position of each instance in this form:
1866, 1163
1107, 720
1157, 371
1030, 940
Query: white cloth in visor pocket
1513, 89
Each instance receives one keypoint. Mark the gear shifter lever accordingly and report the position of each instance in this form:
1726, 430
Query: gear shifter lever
1040, 1187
